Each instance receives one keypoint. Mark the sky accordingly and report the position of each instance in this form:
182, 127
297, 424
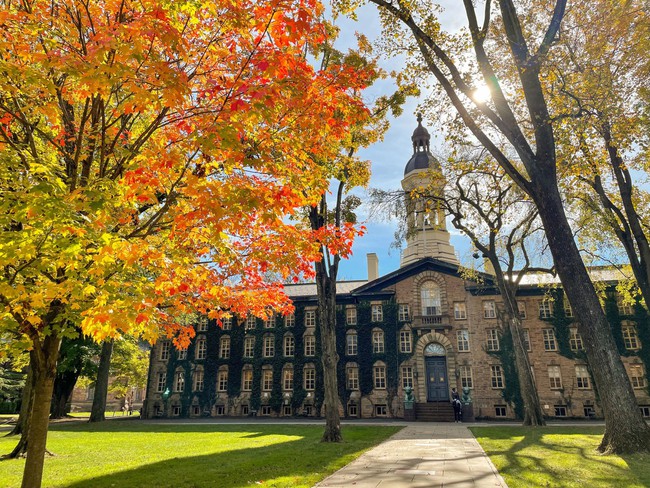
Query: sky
388, 158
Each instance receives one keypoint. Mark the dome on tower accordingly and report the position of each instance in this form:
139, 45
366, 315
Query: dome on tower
422, 157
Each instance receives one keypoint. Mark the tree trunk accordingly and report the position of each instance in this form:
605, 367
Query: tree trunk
24, 417
101, 385
329, 358
44, 370
64, 383
533, 415
625, 429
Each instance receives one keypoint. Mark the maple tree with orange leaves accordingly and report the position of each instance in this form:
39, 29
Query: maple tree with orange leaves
149, 154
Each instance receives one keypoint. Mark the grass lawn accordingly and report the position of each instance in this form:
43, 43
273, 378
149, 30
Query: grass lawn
559, 457
133, 453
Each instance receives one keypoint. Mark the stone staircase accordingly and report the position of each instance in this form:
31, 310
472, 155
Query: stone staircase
434, 412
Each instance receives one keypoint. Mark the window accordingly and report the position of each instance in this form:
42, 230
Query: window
201, 349
249, 347
351, 343
353, 410
525, 338
352, 378
589, 410
287, 379
198, 380
267, 379
379, 376
161, 383
497, 376
560, 410
376, 312
630, 338
568, 311
407, 376
403, 313
310, 345
309, 375
224, 347
222, 380
545, 309
351, 316
289, 320
179, 381
269, 346
251, 322
500, 411
377, 341
269, 323
287, 410
575, 340
289, 346
247, 380
176, 410
636, 376
624, 307
265, 410
244, 410
381, 411
430, 299
645, 410
202, 324
492, 339
164, 350
549, 340
226, 323
489, 309
405, 341
555, 377
462, 340
460, 311
465, 373
521, 306
582, 377
182, 354
196, 410
310, 318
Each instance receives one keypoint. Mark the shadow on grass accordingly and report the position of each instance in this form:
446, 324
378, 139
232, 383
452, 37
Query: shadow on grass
289, 463
560, 456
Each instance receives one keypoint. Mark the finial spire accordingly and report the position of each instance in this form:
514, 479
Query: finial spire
419, 117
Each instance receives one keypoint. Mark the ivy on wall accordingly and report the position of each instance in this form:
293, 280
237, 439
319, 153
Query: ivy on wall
365, 360
511, 391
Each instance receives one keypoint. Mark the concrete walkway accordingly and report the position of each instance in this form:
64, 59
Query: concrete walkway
431, 455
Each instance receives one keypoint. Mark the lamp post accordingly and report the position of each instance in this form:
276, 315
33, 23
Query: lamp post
165, 397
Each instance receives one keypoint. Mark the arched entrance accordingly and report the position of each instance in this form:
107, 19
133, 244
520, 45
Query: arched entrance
435, 362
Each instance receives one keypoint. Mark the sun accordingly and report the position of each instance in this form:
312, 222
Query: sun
481, 94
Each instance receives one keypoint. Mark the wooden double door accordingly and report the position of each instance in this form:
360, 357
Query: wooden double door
437, 382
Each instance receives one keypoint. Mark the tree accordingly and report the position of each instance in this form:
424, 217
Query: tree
337, 222
128, 368
149, 154
500, 114
596, 86
76, 358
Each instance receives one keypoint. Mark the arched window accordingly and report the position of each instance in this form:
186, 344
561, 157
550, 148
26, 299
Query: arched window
179, 381
351, 344
435, 349
379, 375
378, 341
430, 299
289, 345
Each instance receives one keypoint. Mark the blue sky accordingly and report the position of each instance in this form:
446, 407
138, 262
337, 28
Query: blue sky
389, 157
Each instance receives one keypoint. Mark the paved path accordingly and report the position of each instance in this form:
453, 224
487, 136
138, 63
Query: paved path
431, 455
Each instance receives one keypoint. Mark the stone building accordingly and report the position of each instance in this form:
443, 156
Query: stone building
423, 326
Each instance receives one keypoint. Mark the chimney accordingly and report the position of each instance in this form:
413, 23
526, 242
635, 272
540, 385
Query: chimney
373, 266
487, 266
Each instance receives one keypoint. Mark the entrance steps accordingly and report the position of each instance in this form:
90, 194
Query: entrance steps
434, 412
